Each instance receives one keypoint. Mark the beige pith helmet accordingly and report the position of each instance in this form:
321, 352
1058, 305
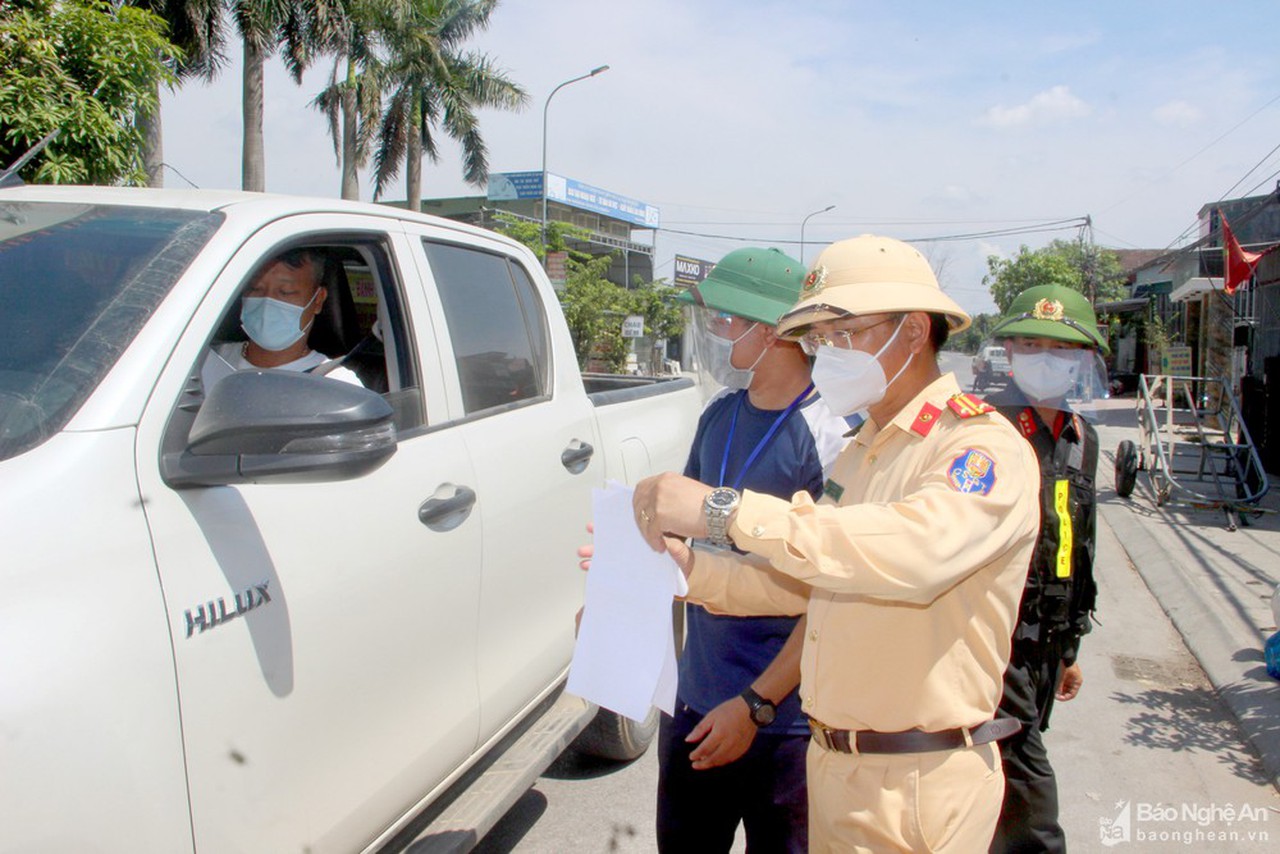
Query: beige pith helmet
869, 275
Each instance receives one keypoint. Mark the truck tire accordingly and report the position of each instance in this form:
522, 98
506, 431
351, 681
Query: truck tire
1126, 468
617, 738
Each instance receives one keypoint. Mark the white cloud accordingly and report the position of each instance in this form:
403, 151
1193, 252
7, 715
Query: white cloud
1052, 106
1177, 114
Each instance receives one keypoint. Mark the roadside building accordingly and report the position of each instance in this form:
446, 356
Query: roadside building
613, 224
1179, 319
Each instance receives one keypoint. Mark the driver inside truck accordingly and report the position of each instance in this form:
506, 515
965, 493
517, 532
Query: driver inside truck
278, 312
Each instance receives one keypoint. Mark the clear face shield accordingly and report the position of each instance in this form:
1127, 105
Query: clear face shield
1054, 374
713, 336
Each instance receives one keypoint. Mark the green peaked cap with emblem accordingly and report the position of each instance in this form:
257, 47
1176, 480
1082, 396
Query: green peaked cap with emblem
1052, 311
758, 284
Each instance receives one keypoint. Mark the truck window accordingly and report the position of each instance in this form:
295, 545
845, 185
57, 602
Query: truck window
497, 325
360, 334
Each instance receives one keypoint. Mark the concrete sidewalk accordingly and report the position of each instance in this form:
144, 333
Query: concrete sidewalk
1214, 584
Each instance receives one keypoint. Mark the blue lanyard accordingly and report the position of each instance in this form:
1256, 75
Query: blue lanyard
764, 440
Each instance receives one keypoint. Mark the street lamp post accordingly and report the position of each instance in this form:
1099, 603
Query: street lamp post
592, 73
803, 222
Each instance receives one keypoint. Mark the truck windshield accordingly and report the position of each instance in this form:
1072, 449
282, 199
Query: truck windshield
77, 282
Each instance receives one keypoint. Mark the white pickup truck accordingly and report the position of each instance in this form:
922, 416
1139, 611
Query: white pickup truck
281, 612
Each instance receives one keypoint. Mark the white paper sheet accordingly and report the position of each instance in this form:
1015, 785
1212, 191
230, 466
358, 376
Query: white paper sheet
625, 656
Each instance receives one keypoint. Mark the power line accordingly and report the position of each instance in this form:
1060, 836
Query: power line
1037, 228
1202, 150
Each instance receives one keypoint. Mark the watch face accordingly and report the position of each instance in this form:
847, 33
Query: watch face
764, 714
722, 498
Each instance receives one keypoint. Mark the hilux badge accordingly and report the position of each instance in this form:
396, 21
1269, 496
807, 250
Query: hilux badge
215, 612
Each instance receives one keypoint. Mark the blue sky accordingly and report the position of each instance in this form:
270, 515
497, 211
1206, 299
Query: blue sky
914, 119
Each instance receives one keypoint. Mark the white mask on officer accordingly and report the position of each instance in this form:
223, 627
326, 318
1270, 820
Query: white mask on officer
1048, 375
851, 380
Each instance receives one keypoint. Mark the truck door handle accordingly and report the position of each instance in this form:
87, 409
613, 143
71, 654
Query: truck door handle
576, 457
444, 513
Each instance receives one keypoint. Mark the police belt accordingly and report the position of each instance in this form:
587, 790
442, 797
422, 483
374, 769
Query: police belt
912, 740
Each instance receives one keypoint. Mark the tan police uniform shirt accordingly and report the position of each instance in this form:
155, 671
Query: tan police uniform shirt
912, 565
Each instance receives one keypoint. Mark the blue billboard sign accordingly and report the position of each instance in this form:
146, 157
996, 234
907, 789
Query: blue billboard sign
507, 186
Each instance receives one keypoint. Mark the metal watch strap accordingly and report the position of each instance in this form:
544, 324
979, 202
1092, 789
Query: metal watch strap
718, 528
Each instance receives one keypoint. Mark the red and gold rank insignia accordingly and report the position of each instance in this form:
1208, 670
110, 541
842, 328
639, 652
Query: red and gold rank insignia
966, 405
925, 419
1027, 423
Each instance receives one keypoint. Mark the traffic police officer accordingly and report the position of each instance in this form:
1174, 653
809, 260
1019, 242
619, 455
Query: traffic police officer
910, 566
1051, 336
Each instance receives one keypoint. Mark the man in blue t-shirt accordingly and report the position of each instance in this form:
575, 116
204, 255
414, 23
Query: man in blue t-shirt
735, 749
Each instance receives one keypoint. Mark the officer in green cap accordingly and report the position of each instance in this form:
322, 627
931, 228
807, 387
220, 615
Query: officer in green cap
734, 752
1054, 346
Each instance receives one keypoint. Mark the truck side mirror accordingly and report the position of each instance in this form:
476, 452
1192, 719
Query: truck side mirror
282, 427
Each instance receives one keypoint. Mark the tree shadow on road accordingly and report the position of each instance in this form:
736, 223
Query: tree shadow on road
1191, 718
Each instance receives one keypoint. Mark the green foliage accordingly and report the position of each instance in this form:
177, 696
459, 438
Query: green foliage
1096, 273
530, 234
86, 69
972, 338
594, 306
663, 316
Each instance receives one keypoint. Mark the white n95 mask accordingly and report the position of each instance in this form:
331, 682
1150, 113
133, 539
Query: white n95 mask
1047, 375
852, 380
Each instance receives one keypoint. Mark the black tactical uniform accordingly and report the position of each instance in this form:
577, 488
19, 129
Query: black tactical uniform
1056, 607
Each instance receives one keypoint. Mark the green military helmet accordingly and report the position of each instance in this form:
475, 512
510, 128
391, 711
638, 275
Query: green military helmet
1052, 311
755, 283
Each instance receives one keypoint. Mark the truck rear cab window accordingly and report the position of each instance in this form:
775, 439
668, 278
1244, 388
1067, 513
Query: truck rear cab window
496, 323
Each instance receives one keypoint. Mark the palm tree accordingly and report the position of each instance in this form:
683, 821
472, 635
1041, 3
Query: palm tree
435, 87
196, 28
347, 29
262, 24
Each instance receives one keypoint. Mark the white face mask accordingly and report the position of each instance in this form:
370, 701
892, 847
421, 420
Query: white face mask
1047, 376
852, 380
719, 360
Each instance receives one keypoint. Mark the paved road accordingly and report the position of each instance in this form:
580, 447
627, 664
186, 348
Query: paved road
1147, 749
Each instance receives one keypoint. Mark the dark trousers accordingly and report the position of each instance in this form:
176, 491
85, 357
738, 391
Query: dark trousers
699, 811
1029, 816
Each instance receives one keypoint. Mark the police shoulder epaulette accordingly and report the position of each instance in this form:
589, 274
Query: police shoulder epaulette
966, 405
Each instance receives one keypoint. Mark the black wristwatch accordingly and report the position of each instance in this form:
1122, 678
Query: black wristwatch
762, 711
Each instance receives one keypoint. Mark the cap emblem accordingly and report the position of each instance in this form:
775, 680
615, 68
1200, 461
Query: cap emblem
1047, 309
815, 281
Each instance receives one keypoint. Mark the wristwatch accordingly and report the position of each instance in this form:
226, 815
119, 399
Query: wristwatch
718, 507
762, 711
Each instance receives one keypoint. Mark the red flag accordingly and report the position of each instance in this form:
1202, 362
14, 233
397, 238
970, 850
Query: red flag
1237, 265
